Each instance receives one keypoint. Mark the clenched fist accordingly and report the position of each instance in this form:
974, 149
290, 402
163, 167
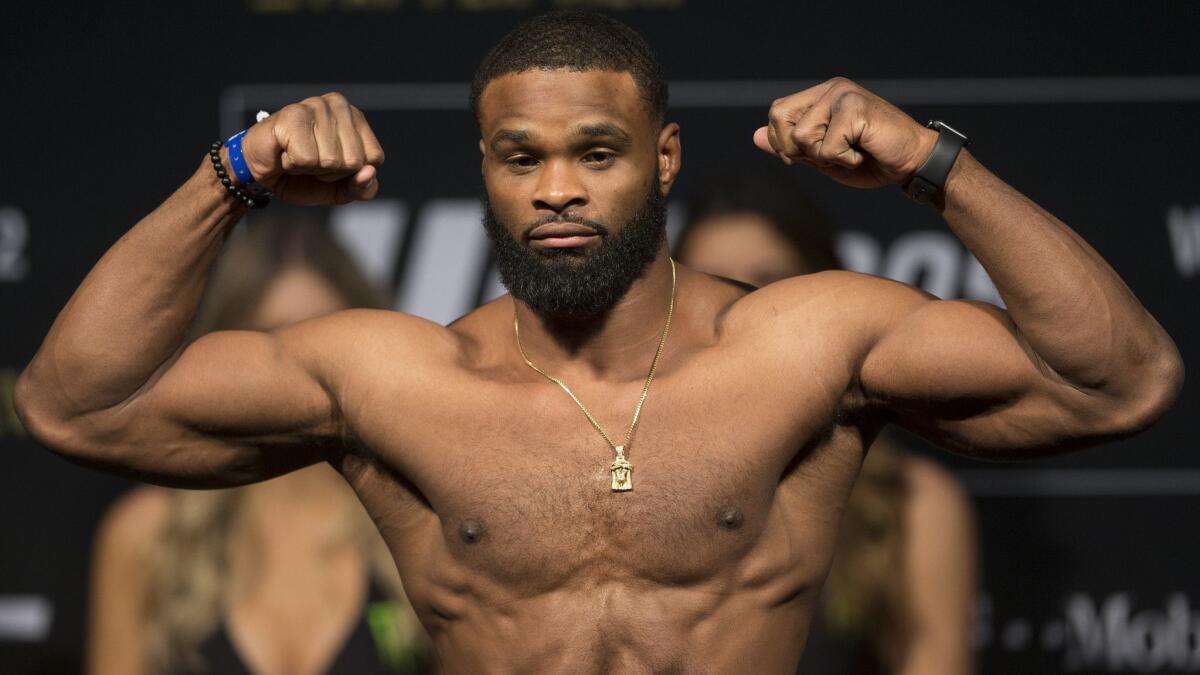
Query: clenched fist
318, 151
847, 133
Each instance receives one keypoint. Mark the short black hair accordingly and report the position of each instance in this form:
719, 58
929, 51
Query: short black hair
578, 40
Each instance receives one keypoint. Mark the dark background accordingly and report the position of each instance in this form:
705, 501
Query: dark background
1090, 560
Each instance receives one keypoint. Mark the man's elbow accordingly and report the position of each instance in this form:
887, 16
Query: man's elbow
46, 422
1159, 383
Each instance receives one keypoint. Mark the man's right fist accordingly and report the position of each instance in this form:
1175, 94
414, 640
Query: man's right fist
317, 151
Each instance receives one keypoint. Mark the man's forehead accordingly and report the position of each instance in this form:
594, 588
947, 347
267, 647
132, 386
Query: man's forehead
562, 98
581, 131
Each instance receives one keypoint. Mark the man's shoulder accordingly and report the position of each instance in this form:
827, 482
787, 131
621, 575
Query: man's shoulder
844, 284
834, 295
373, 334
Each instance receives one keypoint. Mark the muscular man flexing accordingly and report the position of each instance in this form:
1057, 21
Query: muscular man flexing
504, 507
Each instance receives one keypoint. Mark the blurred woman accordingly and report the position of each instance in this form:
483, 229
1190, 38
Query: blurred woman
288, 576
900, 595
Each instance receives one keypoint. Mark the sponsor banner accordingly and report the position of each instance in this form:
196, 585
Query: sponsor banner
1097, 633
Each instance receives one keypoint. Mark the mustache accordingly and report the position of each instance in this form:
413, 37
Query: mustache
599, 227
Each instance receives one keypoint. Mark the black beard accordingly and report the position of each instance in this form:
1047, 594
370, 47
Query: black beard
572, 284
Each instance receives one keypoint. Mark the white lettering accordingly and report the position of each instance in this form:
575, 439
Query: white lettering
14, 233
977, 285
927, 258
371, 232
25, 617
444, 269
1183, 231
445, 272
859, 252
1112, 638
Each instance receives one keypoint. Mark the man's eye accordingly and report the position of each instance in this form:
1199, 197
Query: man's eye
523, 161
598, 157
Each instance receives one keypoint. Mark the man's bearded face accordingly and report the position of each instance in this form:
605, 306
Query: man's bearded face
578, 282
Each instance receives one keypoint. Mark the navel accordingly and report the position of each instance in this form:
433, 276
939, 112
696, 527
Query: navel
471, 531
729, 518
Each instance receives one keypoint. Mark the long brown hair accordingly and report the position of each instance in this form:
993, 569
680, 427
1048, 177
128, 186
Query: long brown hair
256, 256
189, 563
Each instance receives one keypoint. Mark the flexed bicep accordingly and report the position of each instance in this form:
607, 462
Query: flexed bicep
245, 405
232, 407
961, 374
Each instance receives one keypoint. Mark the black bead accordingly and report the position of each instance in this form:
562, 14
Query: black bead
253, 201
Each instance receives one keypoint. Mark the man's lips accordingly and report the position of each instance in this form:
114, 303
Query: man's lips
561, 230
562, 235
563, 242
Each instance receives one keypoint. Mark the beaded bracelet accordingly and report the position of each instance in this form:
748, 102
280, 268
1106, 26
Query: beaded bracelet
254, 201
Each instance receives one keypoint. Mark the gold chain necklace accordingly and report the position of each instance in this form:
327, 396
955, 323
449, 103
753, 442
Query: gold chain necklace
622, 470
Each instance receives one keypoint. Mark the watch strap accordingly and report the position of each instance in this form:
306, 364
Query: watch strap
928, 181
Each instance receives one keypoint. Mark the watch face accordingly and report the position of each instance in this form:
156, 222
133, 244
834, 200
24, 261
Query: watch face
940, 125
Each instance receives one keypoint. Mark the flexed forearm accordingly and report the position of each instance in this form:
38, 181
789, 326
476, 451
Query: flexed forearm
133, 309
129, 316
1070, 306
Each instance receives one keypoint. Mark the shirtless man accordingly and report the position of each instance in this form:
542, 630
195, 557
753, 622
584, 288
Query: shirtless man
499, 500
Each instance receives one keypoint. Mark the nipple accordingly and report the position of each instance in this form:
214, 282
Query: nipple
471, 531
729, 518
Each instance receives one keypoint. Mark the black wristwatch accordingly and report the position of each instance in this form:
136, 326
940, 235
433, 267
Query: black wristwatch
927, 184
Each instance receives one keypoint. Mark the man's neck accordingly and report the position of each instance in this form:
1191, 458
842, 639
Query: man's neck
618, 345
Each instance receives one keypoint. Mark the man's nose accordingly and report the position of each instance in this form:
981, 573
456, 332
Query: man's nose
559, 188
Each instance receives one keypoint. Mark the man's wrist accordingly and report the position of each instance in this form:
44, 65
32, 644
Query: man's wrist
956, 182
251, 195
928, 139
211, 183
941, 147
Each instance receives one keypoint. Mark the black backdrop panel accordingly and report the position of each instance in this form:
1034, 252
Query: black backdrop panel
1089, 559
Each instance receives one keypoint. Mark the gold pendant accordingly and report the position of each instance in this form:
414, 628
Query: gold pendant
622, 472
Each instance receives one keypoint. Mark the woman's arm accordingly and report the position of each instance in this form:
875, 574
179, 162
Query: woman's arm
116, 643
941, 573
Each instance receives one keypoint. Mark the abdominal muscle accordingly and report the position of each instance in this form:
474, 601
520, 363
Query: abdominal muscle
629, 627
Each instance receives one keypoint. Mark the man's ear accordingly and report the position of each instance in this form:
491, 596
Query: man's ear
482, 151
670, 156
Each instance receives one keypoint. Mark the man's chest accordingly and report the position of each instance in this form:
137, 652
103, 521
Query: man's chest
521, 482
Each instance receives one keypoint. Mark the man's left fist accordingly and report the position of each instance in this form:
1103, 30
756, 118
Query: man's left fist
848, 133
